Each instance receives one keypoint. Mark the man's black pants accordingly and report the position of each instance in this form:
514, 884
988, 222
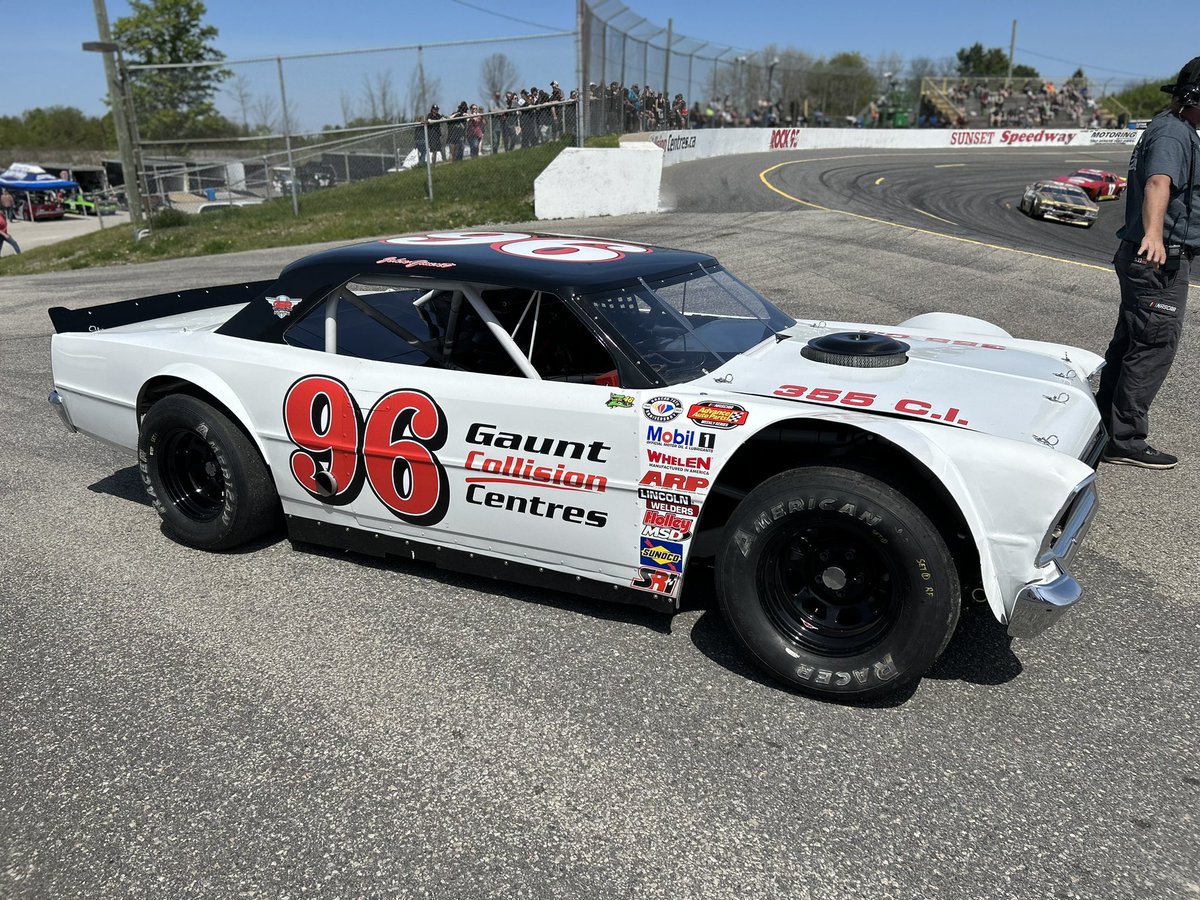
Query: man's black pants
1143, 345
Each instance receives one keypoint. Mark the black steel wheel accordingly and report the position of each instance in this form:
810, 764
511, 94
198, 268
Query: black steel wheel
204, 476
836, 583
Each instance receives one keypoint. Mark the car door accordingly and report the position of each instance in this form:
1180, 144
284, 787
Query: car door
402, 434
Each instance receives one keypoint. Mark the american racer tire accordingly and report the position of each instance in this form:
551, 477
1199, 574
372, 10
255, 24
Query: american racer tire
837, 584
204, 476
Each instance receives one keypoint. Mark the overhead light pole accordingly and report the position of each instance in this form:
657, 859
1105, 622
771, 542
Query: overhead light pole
120, 103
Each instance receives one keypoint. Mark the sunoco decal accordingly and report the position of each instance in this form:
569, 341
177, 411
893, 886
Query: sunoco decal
666, 555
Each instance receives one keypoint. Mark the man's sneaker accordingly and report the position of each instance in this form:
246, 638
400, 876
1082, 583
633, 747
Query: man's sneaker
1147, 458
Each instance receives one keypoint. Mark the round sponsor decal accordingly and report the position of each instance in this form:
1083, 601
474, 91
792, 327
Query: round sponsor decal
662, 409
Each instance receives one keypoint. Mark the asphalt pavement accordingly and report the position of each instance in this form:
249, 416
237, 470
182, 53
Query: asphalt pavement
275, 723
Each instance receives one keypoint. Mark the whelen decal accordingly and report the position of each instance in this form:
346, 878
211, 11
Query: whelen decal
662, 409
282, 305
718, 414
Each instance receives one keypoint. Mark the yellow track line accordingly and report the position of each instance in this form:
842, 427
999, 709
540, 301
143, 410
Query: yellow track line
932, 216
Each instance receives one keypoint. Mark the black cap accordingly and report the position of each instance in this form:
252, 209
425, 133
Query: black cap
1188, 76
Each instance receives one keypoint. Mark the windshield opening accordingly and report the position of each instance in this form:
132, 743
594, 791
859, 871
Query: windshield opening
688, 325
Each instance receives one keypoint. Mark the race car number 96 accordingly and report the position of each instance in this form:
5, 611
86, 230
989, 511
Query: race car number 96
392, 448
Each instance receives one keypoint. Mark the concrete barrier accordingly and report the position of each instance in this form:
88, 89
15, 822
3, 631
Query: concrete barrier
583, 182
587, 182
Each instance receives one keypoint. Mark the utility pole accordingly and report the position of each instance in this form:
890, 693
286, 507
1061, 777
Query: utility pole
117, 98
1012, 50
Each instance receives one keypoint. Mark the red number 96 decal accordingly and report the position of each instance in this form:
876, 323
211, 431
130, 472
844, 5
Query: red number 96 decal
392, 448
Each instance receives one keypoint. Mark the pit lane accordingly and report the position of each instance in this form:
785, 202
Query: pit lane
275, 722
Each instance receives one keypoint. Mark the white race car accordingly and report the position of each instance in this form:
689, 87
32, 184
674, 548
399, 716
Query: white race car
600, 416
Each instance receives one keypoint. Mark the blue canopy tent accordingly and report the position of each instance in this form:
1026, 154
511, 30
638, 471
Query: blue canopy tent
41, 190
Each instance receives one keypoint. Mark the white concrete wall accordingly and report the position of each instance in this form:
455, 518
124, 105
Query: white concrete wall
583, 182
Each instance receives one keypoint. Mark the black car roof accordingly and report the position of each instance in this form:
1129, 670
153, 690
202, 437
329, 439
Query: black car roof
535, 260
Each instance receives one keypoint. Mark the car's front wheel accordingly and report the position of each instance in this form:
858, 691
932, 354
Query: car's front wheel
1035, 209
836, 583
204, 476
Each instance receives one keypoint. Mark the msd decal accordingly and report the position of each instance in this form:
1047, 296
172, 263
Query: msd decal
718, 414
666, 555
667, 525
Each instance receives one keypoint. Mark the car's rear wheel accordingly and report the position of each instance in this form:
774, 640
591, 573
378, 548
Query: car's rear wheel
836, 583
204, 476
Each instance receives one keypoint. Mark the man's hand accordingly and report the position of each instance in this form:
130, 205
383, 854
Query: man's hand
1154, 209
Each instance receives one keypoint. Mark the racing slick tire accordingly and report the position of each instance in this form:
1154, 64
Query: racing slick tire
836, 583
1035, 209
204, 476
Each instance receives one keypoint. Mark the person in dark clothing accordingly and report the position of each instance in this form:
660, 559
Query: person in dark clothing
1159, 240
433, 123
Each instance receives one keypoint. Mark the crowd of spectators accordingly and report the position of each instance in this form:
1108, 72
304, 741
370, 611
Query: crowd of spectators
1036, 103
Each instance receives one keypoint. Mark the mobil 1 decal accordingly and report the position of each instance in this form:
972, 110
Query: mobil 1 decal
393, 448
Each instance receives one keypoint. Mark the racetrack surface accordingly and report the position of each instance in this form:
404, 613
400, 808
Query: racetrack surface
970, 194
275, 722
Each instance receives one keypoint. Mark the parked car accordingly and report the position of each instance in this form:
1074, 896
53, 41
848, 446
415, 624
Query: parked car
610, 418
1059, 202
37, 206
1096, 183
83, 204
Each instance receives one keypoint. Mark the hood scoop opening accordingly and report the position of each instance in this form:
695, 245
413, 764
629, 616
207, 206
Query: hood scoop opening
856, 349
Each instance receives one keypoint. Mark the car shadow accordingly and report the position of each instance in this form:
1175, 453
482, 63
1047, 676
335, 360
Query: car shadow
125, 484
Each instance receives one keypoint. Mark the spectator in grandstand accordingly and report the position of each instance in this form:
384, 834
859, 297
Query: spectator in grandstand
556, 112
1159, 240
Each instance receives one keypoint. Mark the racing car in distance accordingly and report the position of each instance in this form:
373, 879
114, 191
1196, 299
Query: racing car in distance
1096, 183
604, 417
1060, 202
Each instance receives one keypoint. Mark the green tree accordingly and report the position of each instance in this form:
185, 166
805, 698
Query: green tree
173, 103
843, 85
976, 61
1142, 100
58, 127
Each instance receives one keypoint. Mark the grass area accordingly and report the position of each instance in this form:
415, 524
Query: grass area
474, 192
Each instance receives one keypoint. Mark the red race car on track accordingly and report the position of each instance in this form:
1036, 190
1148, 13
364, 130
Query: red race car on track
1098, 184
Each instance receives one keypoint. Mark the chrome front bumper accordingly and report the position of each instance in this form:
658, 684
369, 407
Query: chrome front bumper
1039, 606
61, 408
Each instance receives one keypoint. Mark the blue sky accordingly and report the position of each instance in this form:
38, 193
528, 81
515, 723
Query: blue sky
45, 66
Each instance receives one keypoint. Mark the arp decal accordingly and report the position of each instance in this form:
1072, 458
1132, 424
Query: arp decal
656, 581
718, 414
282, 305
391, 448
662, 409
672, 481
666, 555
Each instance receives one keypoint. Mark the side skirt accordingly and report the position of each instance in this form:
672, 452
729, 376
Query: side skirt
372, 543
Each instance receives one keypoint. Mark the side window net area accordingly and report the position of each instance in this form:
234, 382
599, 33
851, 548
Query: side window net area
442, 329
